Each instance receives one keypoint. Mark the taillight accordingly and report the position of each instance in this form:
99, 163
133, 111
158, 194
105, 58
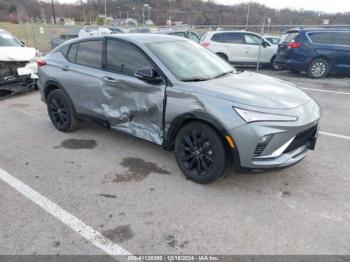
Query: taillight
294, 45
205, 44
40, 62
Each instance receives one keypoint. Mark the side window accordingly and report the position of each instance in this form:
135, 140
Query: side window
218, 38
252, 39
342, 38
233, 38
124, 58
72, 53
90, 53
321, 37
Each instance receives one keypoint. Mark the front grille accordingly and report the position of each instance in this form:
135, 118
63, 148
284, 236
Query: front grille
302, 138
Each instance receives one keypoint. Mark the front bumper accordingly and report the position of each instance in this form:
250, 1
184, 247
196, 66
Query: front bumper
290, 141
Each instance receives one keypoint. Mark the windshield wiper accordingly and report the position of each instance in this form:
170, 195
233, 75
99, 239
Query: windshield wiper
223, 74
195, 80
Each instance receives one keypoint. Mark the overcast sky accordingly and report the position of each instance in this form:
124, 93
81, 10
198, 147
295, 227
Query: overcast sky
331, 6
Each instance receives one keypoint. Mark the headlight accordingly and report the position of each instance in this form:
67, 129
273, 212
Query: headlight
253, 116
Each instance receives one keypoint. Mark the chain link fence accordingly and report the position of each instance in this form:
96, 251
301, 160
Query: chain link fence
334, 58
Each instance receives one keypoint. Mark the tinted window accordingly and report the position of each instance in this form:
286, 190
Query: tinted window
218, 38
72, 53
90, 53
124, 58
232, 38
252, 39
321, 37
289, 37
342, 38
61, 49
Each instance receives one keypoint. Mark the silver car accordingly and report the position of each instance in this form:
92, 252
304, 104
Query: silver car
177, 94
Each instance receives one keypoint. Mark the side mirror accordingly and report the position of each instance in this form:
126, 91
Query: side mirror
265, 44
23, 43
148, 74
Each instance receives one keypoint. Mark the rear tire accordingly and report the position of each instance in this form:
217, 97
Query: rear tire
318, 68
61, 111
200, 153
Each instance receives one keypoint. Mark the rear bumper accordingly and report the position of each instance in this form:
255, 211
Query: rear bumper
290, 64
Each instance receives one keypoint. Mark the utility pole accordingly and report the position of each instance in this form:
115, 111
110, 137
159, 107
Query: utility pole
53, 12
261, 43
247, 19
105, 12
143, 15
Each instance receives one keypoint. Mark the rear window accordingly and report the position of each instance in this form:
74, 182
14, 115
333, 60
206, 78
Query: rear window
321, 37
289, 37
72, 53
90, 53
342, 38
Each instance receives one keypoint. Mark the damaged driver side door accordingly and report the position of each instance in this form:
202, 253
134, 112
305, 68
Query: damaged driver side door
131, 105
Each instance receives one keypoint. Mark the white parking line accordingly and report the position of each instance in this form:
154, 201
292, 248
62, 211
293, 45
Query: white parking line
96, 238
335, 135
325, 91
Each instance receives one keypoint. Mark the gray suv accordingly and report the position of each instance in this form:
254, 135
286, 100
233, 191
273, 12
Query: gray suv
177, 94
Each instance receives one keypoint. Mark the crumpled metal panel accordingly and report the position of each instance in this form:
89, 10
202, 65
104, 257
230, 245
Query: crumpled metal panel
135, 107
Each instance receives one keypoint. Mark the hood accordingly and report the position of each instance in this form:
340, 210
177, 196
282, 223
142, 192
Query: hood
17, 54
254, 89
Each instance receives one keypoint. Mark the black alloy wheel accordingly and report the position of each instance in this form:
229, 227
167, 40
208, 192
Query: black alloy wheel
58, 112
61, 111
200, 153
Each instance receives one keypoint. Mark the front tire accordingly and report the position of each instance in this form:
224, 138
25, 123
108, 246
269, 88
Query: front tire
200, 153
61, 111
319, 68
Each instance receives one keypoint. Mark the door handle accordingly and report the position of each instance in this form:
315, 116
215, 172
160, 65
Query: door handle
65, 68
109, 79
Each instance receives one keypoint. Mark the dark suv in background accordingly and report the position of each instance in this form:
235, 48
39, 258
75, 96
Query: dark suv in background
318, 52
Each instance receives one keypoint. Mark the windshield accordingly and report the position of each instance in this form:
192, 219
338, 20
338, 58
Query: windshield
8, 40
189, 61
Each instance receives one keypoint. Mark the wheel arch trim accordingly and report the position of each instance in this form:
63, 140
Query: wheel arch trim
60, 87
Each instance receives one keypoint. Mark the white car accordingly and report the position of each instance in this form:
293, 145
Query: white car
94, 31
240, 47
18, 65
273, 39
